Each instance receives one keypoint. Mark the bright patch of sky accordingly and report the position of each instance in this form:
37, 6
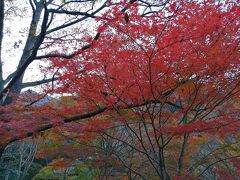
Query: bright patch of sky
17, 21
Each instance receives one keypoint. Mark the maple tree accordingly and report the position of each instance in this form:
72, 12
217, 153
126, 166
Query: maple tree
155, 84
38, 28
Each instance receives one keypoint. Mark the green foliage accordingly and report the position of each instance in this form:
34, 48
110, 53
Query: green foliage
45, 173
78, 172
82, 172
33, 170
9, 166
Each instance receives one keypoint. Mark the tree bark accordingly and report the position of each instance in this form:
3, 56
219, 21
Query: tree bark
29, 52
29, 46
1, 38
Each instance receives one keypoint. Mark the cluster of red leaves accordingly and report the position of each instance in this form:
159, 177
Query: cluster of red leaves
144, 58
186, 54
189, 58
220, 125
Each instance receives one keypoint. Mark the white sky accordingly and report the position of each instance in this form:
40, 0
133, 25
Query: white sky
15, 35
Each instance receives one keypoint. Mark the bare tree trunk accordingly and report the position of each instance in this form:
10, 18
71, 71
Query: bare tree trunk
28, 49
29, 46
1, 38
182, 153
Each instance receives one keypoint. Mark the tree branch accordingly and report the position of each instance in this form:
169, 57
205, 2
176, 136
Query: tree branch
78, 13
36, 83
9, 77
31, 57
70, 119
78, 20
66, 120
62, 55
220, 160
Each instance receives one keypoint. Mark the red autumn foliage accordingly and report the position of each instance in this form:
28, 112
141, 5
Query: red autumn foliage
189, 60
176, 70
